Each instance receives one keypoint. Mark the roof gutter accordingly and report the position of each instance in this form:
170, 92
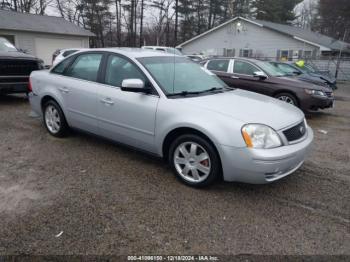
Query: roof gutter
322, 48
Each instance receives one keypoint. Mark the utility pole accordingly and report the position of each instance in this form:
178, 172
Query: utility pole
340, 54
141, 23
176, 20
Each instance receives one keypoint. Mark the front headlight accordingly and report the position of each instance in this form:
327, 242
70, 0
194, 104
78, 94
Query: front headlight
315, 92
260, 136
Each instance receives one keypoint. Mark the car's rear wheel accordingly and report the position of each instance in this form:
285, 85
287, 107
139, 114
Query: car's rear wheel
54, 119
194, 160
288, 98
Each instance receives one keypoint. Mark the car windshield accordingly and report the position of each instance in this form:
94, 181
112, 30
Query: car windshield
309, 69
287, 69
270, 69
178, 75
6, 46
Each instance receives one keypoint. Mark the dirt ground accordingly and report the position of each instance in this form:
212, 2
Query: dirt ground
107, 199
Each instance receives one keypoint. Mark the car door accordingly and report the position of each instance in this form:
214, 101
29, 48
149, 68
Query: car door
221, 68
126, 117
78, 87
243, 72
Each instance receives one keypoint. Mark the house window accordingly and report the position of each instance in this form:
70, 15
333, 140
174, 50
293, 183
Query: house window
246, 52
229, 52
284, 55
307, 54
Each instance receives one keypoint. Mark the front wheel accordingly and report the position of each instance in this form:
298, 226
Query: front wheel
194, 160
288, 98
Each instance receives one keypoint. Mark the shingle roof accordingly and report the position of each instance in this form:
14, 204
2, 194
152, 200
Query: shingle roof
306, 34
296, 32
10, 20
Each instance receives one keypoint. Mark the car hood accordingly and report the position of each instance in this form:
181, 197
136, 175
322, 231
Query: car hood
249, 107
326, 78
295, 82
16, 55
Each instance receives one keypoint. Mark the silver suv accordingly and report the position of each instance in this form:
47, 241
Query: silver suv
171, 107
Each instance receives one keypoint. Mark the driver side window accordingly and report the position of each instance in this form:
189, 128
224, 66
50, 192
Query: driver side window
244, 68
119, 69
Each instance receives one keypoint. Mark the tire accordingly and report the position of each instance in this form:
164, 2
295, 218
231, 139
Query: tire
288, 98
54, 119
189, 168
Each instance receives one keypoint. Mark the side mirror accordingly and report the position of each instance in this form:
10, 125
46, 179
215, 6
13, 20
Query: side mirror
260, 75
298, 73
134, 85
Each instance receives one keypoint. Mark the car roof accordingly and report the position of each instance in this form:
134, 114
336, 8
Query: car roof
131, 52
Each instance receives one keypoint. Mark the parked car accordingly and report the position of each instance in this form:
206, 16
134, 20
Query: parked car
173, 108
293, 71
307, 69
61, 54
262, 77
196, 58
165, 49
15, 68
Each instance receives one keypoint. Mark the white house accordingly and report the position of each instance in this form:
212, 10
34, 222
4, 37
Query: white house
261, 39
41, 35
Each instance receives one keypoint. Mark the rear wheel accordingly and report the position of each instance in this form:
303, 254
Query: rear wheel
54, 119
194, 160
288, 98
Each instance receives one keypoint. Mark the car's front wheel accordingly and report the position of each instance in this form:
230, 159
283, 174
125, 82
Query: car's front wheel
194, 160
54, 119
288, 98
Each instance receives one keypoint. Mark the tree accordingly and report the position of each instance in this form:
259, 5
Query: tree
334, 18
279, 11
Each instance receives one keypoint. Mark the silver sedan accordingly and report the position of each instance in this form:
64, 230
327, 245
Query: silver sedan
171, 107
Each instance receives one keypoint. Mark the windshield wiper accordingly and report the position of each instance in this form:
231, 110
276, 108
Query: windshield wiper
185, 93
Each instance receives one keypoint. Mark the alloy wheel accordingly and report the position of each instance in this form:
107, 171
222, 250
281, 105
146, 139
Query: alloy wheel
52, 119
192, 162
286, 99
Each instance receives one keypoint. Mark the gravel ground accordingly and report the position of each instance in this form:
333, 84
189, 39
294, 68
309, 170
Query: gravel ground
108, 199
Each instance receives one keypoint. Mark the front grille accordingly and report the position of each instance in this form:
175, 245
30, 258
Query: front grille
17, 67
296, 132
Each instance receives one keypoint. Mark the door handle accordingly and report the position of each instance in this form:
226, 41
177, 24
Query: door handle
107, 101
234, 77
64, 90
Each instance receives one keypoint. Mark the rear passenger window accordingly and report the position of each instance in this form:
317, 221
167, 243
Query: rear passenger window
69, 52
85, 67
218, 65
119, 69
244, 68
59, 69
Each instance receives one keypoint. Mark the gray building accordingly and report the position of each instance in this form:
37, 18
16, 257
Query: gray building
261, 39
41, 35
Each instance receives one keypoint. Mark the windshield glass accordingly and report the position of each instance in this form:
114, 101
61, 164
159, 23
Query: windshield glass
270, 69
309, 69
289, 70
6, 46
178, 74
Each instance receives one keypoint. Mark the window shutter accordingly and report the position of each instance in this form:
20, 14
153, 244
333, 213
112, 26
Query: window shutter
300, 54
250, 53
278, 57
290, 55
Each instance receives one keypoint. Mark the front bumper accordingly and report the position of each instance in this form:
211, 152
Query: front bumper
261, 166
11, 88
316, 102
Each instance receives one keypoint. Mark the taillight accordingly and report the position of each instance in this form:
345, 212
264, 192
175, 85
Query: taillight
30, 86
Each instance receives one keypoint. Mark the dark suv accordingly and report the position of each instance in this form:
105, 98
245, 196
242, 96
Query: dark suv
262, 77
15, 68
